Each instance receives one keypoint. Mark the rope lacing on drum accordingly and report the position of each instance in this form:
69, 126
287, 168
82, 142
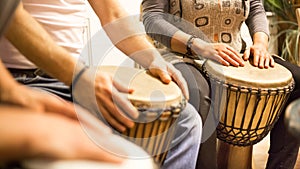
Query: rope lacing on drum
265, 101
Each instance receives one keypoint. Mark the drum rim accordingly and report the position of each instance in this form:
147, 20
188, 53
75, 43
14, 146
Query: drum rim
208, 66
174, 101
287, 88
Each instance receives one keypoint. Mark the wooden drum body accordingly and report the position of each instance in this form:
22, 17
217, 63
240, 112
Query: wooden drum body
159, 106
248, 101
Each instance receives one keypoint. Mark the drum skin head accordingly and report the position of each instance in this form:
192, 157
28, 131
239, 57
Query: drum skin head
149, 91
249, 75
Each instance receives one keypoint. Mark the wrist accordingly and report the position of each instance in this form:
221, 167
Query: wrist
189, 45
146, 57
261, 44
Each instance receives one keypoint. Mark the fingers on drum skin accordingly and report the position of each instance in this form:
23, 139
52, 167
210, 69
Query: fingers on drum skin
165, 77
120, 87
269, 61
181, 82
266, 65
111, 120
246, 54
231, 58
260, 57
114, 116
108, 99
124, 104
233, 51
272, 61
162, 75
263, 60
235, 56
219, 59
228, 60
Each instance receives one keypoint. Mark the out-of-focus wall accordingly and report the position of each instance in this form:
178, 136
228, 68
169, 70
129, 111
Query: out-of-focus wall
99, 50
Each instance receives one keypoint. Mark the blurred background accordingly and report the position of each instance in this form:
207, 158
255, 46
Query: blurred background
284, 41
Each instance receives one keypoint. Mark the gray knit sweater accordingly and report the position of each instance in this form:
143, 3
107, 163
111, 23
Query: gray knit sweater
210, 20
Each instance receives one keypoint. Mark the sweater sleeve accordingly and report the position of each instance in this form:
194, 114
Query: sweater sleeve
155, 20
257, 19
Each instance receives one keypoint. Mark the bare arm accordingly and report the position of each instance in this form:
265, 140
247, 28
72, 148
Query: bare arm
29, 134
13, 93
115, 20
42, 51
111, 15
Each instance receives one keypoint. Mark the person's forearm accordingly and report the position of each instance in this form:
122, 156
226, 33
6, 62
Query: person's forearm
257, 19
7, 85
161, 26
28, 36
16, 126
155, 15
123, 30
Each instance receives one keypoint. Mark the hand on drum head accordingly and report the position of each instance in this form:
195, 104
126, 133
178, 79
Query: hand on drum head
226, 55
29, 134
259, 52
112, 104
166, 72
219, 52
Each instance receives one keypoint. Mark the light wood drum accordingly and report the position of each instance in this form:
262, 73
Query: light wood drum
248, 101
159, 106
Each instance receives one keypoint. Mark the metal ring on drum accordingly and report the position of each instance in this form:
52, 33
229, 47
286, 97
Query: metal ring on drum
248, 101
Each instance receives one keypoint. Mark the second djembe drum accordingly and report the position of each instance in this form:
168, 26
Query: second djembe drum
248, 101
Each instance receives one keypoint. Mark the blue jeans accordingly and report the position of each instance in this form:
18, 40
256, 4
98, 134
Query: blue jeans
186, 143
45, 83
199, 91
187, 139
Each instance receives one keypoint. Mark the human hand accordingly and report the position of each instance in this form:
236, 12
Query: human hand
166, 72
219, 52
152, 60
66, 139
53, 136
261, 56
37, 100
112, 104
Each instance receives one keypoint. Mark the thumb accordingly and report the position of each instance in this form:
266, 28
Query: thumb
163, 75
246, 54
